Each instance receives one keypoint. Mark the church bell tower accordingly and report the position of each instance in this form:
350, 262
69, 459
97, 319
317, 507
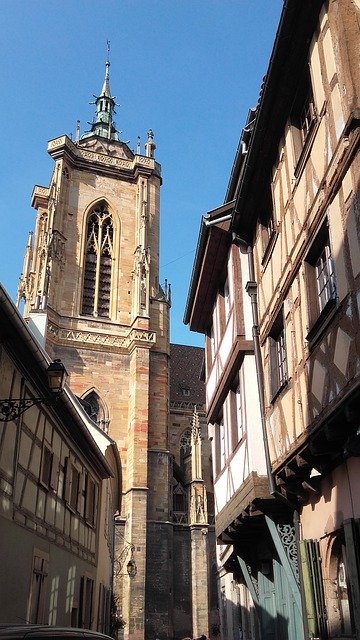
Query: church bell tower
90, 285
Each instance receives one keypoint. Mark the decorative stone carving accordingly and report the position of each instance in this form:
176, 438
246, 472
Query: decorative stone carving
57, 248
101, 339
56, 142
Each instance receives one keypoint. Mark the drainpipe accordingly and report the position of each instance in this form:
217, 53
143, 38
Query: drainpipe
251, 289
211, 223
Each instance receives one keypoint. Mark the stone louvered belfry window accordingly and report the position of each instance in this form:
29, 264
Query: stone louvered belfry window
98, 263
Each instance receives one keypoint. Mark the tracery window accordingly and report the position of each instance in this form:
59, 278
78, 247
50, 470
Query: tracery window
98, 263
96, 410
185, 446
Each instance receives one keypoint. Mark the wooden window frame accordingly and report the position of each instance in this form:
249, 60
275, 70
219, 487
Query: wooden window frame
321, 283
278, 357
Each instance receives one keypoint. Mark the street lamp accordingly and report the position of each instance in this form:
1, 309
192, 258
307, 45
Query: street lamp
12, 408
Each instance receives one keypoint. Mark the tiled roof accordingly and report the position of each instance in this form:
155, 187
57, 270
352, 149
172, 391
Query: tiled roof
186, 364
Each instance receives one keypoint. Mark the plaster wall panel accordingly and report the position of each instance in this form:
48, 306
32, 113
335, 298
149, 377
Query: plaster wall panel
289, 341
337, 242
337, 111
319, 152
59, 516
342, 350
316, 77
239, 469
267, 288
252, 417
298, 336
277, 263
48, 432
347, 185
287, 418
289, 157
25, 448
277, 198
303, 381
230, 478
227, 341
323, 18
29, 496
338, 502
7, 449
329, 56
300, 199
279, 437
288, 229
283, 182
40, 505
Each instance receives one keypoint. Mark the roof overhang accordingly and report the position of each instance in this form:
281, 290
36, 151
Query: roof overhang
210, 259
296, 28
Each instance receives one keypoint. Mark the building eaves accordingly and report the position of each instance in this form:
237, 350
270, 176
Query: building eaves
212, 248
297, 25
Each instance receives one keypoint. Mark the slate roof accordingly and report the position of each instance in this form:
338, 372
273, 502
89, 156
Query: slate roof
186, 365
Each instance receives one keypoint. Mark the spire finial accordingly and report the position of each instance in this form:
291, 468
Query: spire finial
150, 146
104, 125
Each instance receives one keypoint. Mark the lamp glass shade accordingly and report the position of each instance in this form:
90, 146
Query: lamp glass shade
57, 375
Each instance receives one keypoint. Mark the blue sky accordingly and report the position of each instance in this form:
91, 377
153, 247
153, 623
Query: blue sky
188, 69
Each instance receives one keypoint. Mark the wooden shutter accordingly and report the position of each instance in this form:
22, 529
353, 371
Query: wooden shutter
54, 472
67, 482
352, 549
313, 588
46, 466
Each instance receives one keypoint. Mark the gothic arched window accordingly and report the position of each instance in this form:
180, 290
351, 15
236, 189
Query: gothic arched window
96, 410
98, 263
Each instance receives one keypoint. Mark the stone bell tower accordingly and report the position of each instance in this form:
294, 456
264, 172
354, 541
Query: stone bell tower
90, 284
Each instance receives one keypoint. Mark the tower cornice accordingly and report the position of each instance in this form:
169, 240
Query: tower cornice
117, 165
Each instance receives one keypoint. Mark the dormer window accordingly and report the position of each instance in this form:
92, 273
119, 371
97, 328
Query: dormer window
185, 390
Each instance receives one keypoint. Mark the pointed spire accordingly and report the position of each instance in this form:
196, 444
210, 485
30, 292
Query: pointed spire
105, 91
103, 124
106, 86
